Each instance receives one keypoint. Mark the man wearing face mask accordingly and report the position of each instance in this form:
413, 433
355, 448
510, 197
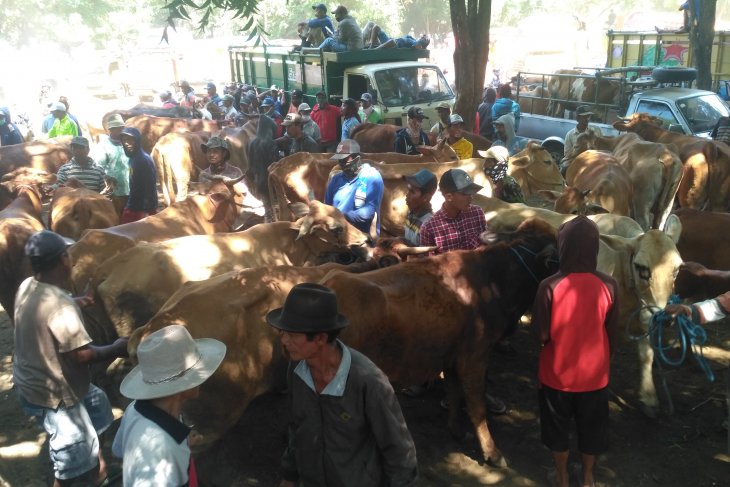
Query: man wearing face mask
9, 133
308, 126
358, 190
412, 135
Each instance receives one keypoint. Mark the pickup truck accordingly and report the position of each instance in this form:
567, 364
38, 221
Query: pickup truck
684, 110
396, 78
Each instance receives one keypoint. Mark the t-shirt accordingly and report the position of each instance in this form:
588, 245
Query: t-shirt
110, 156
92, 177
153, 447
413, 224
372, 117
347, 125
463, 148
572, 137
327, 118
48, 324
406, 42
359, 198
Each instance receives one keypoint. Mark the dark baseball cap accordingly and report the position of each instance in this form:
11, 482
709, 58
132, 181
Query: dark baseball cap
320, 6
423, 179
296, 93
458, 181
80, 141
46, 245
416, 112
583, 110
345, 148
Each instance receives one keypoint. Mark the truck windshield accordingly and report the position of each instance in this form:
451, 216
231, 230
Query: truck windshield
702, 112
409, 85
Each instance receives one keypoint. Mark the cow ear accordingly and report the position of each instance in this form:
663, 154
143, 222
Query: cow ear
620, 126
585, 192
550, 195
673, 228
520, 162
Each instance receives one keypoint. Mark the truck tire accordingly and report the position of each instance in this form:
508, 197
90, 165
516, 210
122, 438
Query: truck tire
674, 75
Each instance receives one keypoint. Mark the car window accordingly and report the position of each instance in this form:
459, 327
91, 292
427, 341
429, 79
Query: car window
702, 112
406, 86
658, 109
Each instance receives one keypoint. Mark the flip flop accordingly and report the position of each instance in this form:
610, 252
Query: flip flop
113, 475
578, 475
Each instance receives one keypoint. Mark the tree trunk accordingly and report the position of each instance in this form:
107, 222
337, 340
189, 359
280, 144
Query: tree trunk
701, 37
470, 21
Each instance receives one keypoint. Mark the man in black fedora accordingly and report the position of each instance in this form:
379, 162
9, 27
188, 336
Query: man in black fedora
346, 426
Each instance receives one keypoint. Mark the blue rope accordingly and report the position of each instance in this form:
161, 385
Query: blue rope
690, 334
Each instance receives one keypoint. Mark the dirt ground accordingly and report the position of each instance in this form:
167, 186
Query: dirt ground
688, 448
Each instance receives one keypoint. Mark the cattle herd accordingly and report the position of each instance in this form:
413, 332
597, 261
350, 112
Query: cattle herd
660, 199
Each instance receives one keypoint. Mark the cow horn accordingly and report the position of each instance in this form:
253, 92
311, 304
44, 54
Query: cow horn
406, 251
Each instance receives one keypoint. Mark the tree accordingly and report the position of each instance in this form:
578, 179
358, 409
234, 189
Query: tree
701, 37
470, 21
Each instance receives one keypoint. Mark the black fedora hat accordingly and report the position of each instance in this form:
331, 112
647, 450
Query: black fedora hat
309, 308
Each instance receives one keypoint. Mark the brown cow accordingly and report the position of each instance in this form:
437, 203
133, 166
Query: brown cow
18, 221
705, 180
703, 238
153, 128
178, 156
48, 155
567, 92
534, 169
74, 210
198, 214
461, 298
696, 282
136, 283
559, 88
535, 101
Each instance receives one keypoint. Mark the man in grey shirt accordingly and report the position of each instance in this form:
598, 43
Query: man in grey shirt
348, 36
300, 142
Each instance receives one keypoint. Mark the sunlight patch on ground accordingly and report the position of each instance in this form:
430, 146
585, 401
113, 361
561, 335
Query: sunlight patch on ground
6, 373
24, 449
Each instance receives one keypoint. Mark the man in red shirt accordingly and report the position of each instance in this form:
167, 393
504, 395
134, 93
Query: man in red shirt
327, 118
576, 318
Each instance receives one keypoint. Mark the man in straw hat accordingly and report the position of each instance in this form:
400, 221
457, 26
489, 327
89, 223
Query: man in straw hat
346, 427
109, 155
151, 439
51, 365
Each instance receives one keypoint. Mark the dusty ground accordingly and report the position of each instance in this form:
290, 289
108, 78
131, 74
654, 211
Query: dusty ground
689, 448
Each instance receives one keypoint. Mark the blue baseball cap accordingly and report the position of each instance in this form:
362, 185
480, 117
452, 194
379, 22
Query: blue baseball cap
424, 179
46, 245
319, 6
268, 101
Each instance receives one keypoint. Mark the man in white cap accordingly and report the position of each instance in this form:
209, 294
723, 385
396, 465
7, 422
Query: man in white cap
308, 125
151, 440
109, 155
456, 140
358, 190
346, 427
63, 124
51, 365
368, 114
300, 141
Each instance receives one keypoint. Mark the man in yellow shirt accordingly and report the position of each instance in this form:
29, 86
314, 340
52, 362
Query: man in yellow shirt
456, 140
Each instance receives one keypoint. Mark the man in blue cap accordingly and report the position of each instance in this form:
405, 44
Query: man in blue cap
322, 22
268, 108
213, 94
421, 188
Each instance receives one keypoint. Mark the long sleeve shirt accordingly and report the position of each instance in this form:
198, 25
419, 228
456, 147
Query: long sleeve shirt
359, 198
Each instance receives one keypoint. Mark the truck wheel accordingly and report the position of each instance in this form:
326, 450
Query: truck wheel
674, 75
556, 149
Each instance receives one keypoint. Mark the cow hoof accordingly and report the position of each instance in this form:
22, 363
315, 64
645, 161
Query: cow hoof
651, 412
497, 460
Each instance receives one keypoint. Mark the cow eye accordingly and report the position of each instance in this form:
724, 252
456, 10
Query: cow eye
643, 271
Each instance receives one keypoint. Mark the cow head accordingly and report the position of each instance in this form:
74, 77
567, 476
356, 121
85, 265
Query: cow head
534, 169
391, 251
29, 176
328, 226
573, 201
441, 152
638, 123
218, 205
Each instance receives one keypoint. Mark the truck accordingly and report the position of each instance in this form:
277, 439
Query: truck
662, 89
396, 78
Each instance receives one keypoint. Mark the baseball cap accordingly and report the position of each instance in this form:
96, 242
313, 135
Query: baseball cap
415, 112
210, 85
296, 93
455, 118
321, 93
58, 107
443, 106
268, 101
320, 6
291, 118
228, 97
185, 84
80, 141
46, 245
340, 8
345, 148
583, 110
423, 179
213, 143
366, 97
458, 181
304, 107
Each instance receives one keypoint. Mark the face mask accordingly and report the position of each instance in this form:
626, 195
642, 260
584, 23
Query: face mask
351, 168
306, 118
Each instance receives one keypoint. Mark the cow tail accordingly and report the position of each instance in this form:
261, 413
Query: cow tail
671, 176
165, 176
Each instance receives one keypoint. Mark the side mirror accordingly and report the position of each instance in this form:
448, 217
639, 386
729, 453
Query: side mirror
675, 127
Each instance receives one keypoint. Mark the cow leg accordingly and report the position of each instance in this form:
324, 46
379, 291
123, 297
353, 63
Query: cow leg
472, 370
649, 403
454, 397
182, 183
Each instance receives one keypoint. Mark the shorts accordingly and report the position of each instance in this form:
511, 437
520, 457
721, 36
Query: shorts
73, 432
590, 410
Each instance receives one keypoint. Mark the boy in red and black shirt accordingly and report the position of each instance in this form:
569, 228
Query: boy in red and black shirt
576, 318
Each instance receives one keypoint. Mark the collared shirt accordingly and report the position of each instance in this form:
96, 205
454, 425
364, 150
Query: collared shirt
326, 119
92, 176
63, 126
110, 156
572, 137
336, 386
347, 125
414, 222
460, 233
304, 144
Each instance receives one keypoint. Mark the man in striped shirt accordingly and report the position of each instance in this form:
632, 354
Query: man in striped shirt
81, 168
421, 187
